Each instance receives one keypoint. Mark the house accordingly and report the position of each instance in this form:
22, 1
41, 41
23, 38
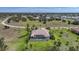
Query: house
75, 30
40, 34
76, 22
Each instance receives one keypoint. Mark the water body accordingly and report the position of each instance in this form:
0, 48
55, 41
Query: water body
39, 9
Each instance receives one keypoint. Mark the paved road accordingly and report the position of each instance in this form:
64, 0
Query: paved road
4, 23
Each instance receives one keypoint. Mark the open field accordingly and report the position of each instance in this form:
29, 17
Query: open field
38, 24
10, 35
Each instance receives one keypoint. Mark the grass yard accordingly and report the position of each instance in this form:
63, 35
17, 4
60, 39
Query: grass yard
21, 43
39, 45
66, 37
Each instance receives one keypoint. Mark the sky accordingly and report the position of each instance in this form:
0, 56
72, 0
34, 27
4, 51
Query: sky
39, 9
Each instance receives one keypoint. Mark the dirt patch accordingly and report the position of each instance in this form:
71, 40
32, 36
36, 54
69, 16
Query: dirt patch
10, 35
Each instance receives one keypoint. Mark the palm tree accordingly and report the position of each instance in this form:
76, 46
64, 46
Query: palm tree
27, 27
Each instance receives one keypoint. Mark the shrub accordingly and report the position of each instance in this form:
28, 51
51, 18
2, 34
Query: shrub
53, 48
63, 20
61, 32
67, 43
69, 22
57, 43
52, 37
76, 23
24, 19
71, 49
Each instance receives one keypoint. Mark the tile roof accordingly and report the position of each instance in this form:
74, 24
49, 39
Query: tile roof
75, 30
41, 31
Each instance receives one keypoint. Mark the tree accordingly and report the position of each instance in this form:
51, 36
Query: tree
6, 27
72, 48
58, 19
69, 22
67, 43
27, 40
8, 21
61, 32
33, 27
40, 20
24, 19
44, 22
2, 44
16, 19
63, 20
27, 28
48, 28
52, 37
30, 45
60, 35
77, 48
77, 37
27, 37
76, 40
50, 19
76, 23
30, 18
57, 43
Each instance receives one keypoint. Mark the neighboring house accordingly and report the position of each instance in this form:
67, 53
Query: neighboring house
76, 22
75, 30
37, 17
40, 34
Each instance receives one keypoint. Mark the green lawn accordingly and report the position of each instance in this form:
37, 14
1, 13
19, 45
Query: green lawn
64, 37
40, 45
